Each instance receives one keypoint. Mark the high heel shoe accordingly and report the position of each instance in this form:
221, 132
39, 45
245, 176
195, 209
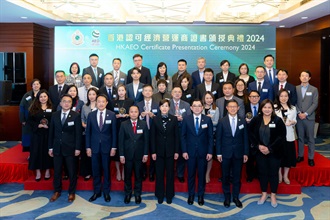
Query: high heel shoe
118, 176
38, 179
47, 177
274, 204
287, 181
261, 202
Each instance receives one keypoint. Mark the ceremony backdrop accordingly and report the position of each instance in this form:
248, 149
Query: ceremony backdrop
238, 44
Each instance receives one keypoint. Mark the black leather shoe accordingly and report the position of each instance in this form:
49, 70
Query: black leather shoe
300, 159
144, 177
160, 200
237, 202
311, 162
200, 200
249, 179
151, 178
107, 197
86, 178
226, 203
181, 179
168, 201
220, 179
127, 199
65, 177
137, 199
190, 200
94, 197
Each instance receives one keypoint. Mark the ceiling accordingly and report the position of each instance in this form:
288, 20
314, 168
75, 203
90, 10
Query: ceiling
50, 13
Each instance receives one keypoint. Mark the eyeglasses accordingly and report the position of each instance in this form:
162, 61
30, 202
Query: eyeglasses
254, 97
232, 106
197, 106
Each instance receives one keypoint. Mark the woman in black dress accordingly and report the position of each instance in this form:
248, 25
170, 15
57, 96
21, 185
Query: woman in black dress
121, 107
40, 113
188, 95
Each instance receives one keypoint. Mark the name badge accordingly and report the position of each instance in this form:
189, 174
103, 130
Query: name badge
168, 81
107, 122
264, 90
100, 75
114, 96
204, 125
272, 125
48, 110
212, 112
139, 131
214, 92
139, 90
70, 123
188, 96
241, 127
122, 79
28, 98
116, 109
289, 91
74, 109
154, 110
309, 93
221, 80
182, 110
78, 81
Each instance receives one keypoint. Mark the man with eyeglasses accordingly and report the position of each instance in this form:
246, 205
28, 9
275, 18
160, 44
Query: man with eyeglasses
263, 86
197, 148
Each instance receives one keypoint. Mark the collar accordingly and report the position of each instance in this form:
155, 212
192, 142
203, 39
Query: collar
229, 98
98, 111
67, 112
231, 117
305, 86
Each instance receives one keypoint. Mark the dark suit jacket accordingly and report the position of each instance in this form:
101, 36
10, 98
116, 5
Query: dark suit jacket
164, 143
196, 80
229, 146
201, 90
133, 146
64, 140
176, 80
220, 102
277, 134
275, 80
219, 79
101, 141
122, 78
154, 109
183, 106
100, 74
197, 145
145, 76
291, 89
103, 90
53, 95
130, 92
266, 90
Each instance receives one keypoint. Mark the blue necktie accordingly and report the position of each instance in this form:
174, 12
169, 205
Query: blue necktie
270, 77
255, 111
233, 127
109, 94
196, 125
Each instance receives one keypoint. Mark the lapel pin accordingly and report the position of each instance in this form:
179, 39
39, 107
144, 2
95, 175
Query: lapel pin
69, 116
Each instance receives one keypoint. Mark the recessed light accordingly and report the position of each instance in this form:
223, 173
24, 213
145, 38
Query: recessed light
304, 17
281, 26
23, 17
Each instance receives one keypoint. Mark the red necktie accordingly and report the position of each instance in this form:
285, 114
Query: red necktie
134, 127
281, 86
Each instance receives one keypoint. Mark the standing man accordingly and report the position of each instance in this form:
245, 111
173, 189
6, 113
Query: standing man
208, 85
198, 75
56, 91
282, 76
101, 140
307, 102
271, 72
96, 72
64, 144
232, 151
133, 151
119, 76
109, 90
225, 75
182, 72
197, 148
82, 91
263, 86
145, 72
134, 89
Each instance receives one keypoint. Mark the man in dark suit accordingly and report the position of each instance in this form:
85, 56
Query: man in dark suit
96, 72
133, 151
197, 148
208, 85
134, 89
232, 151
225, 75
182, 72
109, 90
101, 141
198, 75
119, 76
271, 72
145, 72
282, 76
148, 109
56, 91
64, 144
263, 86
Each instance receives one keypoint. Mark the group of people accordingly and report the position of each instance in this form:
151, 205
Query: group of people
86, 121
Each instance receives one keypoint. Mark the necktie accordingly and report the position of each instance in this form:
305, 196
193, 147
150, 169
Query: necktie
101, 120
134, 127
95, 73
259, 87
147, 115
59, 91
255, 111
233, 127
270, 77
63, 119
109, 94
281, 86
197, 125
176, 108
116, 78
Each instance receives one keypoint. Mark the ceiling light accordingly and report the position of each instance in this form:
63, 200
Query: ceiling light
304, 17
281, 26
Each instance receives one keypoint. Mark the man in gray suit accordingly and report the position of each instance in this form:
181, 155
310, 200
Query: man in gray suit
96, 72
228, 91
119, 76
307, 102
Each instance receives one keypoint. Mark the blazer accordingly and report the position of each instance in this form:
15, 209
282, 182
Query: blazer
184, 108
101, 141
164, 143
310, 101
154, 109
76, 107
122, 78
277, 134
188, 95
197, 145
251, 79
291, 89
145, 76
103, 90
169, 84
220, 102
196, 80
230, 78
176, 79
230, 146
201, 90
64, 140
100, 73
54, 96
275, 80
133, 146
266, 90
291, 115
158, 97
248, 108
130, 92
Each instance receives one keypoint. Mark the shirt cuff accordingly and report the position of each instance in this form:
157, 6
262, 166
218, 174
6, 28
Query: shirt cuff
113, 148
145, 155
306, 113
122, 156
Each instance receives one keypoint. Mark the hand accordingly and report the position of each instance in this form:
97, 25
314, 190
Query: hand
113, 152
151, 115
40, 125
89, 152
84, 125
50, 152
247, 120
118, 116
76, 152
176, 156
143, 114
46, 126
245, 158
122, 160
209, 115
209, 157
302, 116
144, 159
154, 156
23, 123
179, 117
219, 159
185, 156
